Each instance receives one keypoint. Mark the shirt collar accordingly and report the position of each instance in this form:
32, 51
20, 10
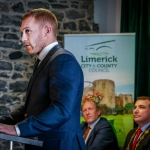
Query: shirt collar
94, 123
145, 127
45, 51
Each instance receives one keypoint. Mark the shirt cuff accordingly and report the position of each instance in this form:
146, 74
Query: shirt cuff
17, 130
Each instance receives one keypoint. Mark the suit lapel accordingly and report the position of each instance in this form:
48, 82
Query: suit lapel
132, 139
42, 64
92, 134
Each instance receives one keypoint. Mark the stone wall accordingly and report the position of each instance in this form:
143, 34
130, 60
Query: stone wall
74, 17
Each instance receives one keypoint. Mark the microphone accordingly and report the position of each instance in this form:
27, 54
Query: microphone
15, 55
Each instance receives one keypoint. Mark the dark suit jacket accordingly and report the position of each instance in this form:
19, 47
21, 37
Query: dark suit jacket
102, 137
52, 108
144, 144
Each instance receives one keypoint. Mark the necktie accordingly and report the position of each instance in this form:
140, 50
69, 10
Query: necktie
138, 132
86, 132
36, 64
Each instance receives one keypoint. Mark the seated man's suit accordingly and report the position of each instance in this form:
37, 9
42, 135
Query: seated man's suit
144, 143
101, 137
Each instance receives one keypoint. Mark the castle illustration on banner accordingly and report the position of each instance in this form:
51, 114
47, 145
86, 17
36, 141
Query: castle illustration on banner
110, 103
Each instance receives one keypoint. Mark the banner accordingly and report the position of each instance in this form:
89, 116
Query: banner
108, 63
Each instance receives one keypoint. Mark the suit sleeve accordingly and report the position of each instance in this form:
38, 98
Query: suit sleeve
65, 76
104, 137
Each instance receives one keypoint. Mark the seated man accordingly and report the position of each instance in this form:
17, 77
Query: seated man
139, 138
101, 135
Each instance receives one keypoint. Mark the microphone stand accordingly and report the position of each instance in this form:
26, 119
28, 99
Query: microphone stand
11, 145
13, 56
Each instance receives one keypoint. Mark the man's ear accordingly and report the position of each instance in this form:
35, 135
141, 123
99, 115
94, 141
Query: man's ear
47, 30
98, 112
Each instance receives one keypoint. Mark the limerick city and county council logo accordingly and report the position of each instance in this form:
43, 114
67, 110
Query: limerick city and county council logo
97, 47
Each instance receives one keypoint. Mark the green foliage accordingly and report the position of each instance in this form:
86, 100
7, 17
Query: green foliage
129, 106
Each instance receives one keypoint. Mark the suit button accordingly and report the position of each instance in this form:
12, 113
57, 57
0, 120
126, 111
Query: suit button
25, 115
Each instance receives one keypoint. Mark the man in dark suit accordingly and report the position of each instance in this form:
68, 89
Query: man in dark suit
139, 138
101, 135
54, 93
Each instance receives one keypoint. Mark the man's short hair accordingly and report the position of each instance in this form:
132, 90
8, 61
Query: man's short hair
43, 15
144, 98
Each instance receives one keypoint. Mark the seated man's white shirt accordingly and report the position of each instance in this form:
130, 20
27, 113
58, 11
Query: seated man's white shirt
92, 127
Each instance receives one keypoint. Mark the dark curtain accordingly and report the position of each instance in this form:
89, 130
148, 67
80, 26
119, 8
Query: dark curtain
135, 17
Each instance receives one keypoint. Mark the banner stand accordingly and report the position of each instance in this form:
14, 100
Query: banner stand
108, 64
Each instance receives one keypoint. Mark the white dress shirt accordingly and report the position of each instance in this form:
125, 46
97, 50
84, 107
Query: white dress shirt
92, 127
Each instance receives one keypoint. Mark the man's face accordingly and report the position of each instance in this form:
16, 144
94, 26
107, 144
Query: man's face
141, 112
32, 35
90, 113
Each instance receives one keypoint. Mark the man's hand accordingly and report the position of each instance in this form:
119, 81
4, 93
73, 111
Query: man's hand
8, 129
